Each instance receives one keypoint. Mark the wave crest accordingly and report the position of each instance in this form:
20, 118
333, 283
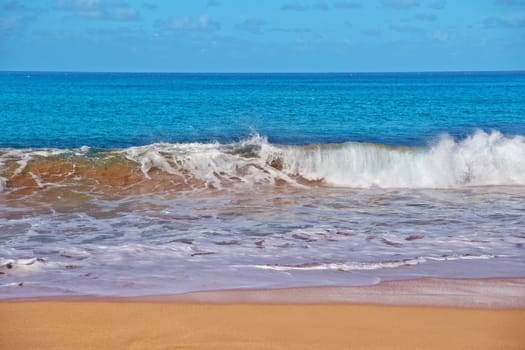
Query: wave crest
481, 159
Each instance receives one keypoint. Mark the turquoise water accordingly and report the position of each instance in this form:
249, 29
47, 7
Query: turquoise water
135, 184
68, 110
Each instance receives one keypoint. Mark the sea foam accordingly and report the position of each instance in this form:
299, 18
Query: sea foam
481, 159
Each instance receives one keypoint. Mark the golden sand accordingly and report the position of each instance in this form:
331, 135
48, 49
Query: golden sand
467, 314
168, 325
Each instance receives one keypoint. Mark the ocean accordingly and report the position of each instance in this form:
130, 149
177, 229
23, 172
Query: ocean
117, 184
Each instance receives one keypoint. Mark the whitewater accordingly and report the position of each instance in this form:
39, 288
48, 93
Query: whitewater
168, 218
481, 159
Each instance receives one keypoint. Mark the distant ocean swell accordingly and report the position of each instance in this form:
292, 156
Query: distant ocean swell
482, 159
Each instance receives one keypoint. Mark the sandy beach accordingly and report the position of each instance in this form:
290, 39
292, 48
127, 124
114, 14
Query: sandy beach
302, 318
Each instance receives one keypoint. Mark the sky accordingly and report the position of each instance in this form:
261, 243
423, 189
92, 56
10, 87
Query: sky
262, 35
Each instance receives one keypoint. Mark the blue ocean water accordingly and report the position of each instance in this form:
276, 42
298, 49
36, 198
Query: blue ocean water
135, 184
103, 110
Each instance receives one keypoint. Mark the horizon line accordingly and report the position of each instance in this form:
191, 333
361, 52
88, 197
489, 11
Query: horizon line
268, 72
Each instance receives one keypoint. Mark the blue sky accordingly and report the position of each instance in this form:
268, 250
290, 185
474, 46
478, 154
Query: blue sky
262, 35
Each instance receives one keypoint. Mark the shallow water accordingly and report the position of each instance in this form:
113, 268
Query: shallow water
71, 237
151, 244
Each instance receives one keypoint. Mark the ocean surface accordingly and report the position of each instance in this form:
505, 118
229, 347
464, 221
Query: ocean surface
139, 184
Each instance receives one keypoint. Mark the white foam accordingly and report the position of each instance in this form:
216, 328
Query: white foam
214, 164
347, 266
21, 267
482, 159
23, 156
367, 266
479, 160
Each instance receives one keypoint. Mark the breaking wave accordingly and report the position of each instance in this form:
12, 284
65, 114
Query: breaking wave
481, 159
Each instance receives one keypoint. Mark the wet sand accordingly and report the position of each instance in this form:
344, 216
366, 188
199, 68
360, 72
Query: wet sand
301, 318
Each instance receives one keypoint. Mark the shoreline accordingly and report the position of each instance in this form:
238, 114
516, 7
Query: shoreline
488, 293
492, 293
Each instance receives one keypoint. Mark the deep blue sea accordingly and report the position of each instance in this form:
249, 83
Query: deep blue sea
104, 110
136, 184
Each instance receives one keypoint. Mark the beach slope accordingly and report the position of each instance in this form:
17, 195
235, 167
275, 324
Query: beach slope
215, 321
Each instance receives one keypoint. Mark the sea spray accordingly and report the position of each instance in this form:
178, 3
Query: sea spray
481, 159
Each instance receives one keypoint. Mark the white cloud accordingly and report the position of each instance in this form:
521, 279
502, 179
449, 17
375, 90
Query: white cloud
320, 5
400, 4
203, 23
115, 10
